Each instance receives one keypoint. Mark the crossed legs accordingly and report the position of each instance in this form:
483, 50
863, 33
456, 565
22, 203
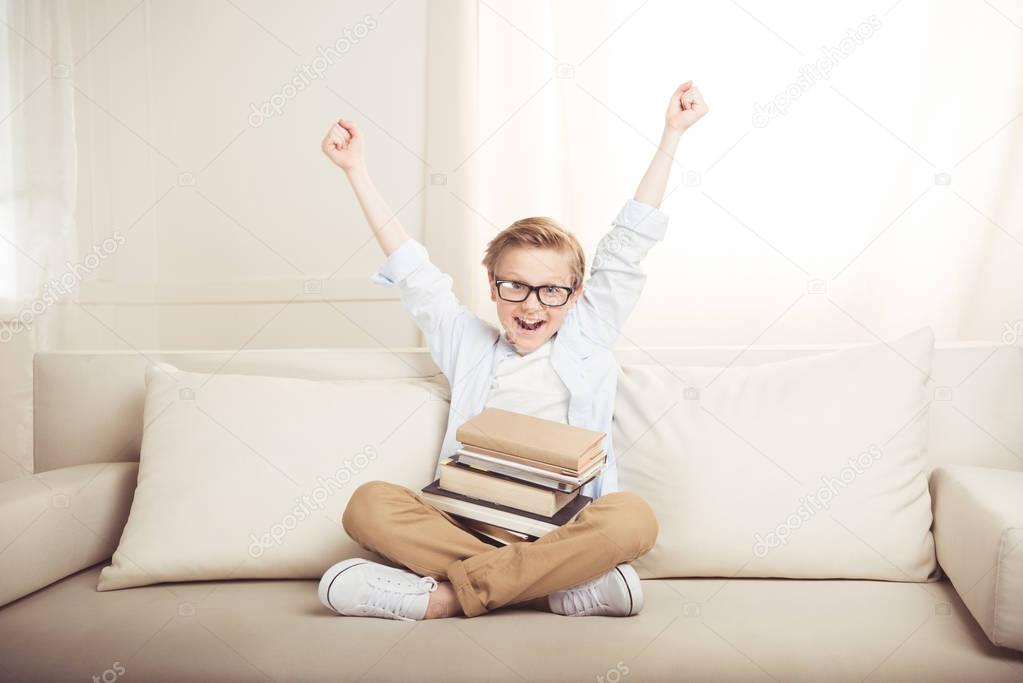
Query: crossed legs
394, 522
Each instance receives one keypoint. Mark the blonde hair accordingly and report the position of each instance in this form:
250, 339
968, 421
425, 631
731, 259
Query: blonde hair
538, 232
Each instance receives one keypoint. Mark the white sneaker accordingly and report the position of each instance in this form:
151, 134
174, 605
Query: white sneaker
615, 594
360, 588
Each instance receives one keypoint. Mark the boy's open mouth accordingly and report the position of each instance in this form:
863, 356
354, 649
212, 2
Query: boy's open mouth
529, 328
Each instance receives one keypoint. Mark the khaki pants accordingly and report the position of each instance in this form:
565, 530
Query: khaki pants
394, 522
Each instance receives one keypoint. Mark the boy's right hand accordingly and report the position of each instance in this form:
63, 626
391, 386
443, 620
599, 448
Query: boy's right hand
343, 145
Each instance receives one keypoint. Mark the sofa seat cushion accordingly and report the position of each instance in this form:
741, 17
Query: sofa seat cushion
690, 629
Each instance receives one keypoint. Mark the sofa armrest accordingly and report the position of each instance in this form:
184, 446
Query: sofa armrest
56, 523
978, 535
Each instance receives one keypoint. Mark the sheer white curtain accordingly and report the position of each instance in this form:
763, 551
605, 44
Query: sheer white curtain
37, 157
878, 194
37, 200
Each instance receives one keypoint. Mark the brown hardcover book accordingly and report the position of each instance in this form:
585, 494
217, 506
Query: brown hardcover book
501, 515
535, 475
463, 479
588, 460
529, 437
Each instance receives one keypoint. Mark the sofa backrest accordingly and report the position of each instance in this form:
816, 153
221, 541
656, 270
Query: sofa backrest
88, 404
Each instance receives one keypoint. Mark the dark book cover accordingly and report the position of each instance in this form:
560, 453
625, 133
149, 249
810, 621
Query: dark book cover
559, 519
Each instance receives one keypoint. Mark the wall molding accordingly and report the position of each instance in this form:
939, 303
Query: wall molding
309, 290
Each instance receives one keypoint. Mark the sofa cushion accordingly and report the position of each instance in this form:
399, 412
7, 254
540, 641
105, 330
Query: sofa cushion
689, 630
807, 468
56, 523
247, 477
978, 529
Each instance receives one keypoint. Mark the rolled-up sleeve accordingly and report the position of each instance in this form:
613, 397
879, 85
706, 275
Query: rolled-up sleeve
647, 220
616, 276
427, 295
403, 261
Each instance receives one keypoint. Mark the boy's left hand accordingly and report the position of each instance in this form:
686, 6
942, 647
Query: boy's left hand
685, 108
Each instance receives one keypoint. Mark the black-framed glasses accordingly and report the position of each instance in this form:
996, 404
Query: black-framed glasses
548, 295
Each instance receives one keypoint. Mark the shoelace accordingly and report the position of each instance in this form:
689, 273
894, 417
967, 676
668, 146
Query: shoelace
393, 597
584, 600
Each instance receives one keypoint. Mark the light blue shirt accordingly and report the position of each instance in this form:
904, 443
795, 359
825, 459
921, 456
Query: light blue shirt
468, 349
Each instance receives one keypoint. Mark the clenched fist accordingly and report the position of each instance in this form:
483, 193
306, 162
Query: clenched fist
685, 108
343, 145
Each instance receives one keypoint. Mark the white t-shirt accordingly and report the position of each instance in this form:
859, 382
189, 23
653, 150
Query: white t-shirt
528, 384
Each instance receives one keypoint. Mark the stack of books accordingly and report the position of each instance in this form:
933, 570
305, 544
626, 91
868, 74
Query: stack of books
517, 477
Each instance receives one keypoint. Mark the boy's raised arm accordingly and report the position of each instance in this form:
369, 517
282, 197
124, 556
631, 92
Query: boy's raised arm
685, 108
344, 146
425, 291
616, 277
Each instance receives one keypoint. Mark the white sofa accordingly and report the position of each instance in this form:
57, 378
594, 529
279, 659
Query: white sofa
59, 528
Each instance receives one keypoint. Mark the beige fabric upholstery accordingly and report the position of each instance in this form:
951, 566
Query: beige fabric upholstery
55, 523
247, 477
810, 468
88, 404
690, 630
978, 527
88, 409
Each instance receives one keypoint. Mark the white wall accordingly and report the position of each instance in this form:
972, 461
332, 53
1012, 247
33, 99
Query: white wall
238, 233
228, 222
244, 236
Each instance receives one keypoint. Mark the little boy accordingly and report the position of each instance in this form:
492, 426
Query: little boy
553, 359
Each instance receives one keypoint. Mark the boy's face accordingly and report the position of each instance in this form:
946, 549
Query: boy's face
532, 266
